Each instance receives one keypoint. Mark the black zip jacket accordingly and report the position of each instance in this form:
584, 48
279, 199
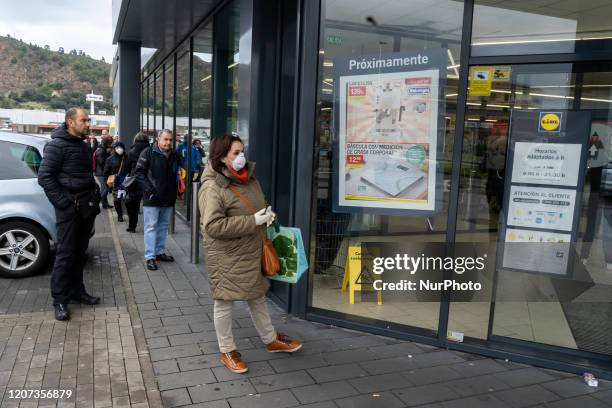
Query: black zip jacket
66, 168
101, 157
129, 167
157, 177
113, 164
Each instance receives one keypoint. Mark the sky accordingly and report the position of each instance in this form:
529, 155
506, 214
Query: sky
73, 24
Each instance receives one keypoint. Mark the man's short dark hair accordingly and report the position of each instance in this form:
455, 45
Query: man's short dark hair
72, 114
165, 131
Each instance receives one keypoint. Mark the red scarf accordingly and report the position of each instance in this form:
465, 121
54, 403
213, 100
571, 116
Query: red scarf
242, 176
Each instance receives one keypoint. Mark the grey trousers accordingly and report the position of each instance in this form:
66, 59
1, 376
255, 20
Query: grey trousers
223, 322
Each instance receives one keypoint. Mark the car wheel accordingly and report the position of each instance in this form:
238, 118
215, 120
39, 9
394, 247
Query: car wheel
24, 249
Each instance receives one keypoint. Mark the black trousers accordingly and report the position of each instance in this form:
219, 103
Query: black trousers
133, 206
118, 203
70, 258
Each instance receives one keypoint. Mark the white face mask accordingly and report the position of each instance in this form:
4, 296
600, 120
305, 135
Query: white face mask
239, 162
119, 150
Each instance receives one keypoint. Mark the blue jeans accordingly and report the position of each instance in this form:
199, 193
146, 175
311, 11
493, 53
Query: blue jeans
156, 220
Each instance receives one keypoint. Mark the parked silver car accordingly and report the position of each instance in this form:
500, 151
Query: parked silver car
27, 218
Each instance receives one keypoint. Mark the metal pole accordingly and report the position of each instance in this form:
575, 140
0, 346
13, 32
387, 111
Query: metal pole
195, 224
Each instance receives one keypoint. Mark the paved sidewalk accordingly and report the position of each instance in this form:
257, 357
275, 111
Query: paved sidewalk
94, 357
336, 367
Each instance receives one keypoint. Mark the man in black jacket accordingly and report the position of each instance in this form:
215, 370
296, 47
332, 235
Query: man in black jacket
157, 171
132, 202
102, 153
66, 174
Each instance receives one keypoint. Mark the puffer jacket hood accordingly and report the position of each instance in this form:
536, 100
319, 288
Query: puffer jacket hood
232, 242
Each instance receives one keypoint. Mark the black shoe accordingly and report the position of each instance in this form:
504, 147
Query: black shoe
120, 218
131, 229
164, 258
152, 265
87, 299
61, 312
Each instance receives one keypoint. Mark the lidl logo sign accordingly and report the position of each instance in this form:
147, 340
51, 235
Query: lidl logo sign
550, 121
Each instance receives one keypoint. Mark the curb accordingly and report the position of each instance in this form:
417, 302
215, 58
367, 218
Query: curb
146, 366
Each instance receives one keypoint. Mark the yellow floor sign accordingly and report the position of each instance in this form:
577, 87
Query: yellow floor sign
358, 273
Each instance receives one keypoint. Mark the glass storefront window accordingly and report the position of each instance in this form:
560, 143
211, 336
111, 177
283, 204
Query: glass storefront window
182, 127
150, 104
143, 94
226, 68
169, 96
159, 89
569, 307
202, 89
409, 111
539, 27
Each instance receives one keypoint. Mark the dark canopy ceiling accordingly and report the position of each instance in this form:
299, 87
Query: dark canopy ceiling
159, 24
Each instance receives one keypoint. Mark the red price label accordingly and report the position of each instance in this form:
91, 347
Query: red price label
418, 81
354, 159
357, 91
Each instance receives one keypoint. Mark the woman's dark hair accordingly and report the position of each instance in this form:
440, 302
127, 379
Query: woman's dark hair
141, 137
219, 148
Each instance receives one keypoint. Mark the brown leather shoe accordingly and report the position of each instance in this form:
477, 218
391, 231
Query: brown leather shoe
283, 344
233, 362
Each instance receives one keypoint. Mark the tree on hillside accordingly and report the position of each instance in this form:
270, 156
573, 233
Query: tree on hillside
60, 50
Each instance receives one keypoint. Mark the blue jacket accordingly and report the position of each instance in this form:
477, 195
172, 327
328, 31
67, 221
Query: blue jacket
196, 159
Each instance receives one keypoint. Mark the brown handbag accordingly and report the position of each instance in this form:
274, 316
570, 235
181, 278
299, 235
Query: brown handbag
269, 258
110, 181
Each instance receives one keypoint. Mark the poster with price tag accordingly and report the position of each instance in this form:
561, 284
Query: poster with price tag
388, 123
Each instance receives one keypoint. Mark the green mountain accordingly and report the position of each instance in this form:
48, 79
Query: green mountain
34, 77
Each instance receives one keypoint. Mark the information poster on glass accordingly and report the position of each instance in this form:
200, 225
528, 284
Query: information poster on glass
389, 116
547, 160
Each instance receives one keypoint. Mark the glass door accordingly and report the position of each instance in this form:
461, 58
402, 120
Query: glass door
568, 306
381, 167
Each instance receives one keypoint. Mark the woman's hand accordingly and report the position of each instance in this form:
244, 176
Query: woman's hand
263, 217
272, 213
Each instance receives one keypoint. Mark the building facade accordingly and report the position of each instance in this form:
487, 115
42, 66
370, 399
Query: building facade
408, 126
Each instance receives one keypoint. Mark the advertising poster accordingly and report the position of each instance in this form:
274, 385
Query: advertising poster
550, 208
388, 124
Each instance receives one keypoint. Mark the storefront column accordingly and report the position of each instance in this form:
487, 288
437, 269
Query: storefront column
128, 115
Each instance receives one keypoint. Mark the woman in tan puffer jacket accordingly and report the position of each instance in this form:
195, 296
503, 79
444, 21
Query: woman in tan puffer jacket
233, 247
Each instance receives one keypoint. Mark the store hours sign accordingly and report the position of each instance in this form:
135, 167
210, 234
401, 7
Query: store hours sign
388, 122
546, 163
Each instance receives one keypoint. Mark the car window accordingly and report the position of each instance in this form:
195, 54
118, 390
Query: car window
18, 161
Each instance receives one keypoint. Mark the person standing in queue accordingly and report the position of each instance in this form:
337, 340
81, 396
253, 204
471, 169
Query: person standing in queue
156, 171
66, 176
101, 154
233, 247
112, 169
133, 199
